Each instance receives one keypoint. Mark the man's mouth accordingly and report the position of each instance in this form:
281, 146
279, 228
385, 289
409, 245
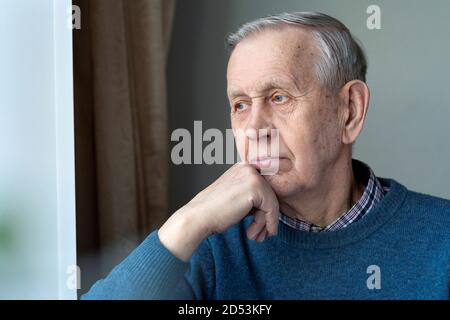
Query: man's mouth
265, 162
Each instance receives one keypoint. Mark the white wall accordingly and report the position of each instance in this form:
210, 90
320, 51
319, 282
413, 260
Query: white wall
37, 194
406, 136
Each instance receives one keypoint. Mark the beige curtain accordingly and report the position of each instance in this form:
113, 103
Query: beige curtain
120, 57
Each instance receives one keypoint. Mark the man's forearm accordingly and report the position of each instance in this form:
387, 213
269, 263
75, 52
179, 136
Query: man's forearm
149, 272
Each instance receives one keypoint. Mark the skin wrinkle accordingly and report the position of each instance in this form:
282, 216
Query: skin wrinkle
316, 183
273, 82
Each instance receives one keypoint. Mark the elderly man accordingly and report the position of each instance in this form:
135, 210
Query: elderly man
324, 226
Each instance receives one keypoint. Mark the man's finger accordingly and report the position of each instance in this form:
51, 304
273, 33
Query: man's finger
272, 220
262, 235
257, 225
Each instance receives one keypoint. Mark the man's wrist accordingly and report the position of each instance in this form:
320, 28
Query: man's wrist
182, 233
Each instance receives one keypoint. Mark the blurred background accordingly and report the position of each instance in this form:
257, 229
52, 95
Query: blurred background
143, 68
37, 178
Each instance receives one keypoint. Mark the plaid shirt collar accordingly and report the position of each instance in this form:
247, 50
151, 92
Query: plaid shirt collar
373, 193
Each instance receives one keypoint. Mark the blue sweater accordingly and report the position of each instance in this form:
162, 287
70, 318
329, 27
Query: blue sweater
398, 250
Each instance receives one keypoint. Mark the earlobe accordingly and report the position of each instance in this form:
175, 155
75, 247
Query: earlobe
356, 104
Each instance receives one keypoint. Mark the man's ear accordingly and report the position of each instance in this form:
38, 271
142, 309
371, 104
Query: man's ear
355, 99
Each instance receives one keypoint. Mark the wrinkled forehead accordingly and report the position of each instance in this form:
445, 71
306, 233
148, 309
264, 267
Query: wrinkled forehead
283, 54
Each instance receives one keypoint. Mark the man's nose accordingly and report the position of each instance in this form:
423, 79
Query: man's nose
260, 123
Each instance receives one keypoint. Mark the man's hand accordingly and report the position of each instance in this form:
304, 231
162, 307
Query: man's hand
239, 191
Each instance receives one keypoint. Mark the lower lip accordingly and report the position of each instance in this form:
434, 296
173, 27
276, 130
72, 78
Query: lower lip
267, 163
264, 163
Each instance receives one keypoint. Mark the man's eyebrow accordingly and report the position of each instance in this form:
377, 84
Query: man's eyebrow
234, 93
273, 83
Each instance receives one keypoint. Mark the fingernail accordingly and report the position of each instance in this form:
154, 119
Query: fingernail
252, 235
261, 239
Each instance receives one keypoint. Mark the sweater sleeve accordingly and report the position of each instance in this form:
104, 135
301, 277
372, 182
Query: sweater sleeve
153, 272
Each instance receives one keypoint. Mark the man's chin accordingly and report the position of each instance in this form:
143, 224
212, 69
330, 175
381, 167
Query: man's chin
281, 185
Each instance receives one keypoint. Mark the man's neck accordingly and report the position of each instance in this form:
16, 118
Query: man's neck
336, 194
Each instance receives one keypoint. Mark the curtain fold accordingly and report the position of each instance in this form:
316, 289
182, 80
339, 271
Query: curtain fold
121, 126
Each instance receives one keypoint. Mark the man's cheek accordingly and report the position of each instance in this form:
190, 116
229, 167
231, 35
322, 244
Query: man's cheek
241, 142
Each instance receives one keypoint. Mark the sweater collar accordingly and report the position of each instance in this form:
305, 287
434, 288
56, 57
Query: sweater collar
358, 230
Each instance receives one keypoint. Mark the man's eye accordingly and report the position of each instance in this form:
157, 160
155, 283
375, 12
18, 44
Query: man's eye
279, 98
240, 106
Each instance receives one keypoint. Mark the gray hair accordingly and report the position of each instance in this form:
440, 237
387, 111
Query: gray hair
342, 58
